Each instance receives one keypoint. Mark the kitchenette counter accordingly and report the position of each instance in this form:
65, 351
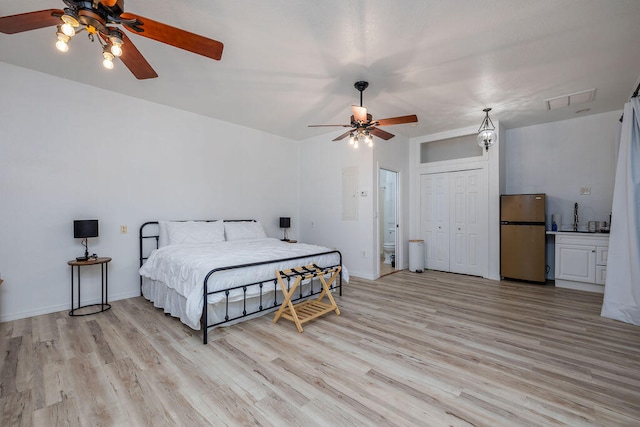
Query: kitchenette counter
579, 233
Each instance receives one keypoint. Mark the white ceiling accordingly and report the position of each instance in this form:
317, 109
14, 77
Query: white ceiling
287, 64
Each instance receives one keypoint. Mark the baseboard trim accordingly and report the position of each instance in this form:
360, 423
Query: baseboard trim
63, 307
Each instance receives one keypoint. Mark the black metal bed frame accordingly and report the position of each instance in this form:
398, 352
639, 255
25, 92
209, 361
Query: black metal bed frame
262, 284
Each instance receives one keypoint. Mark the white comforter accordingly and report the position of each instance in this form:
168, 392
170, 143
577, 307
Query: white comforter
184, 267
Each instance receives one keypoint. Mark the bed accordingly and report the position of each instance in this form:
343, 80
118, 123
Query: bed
230, 264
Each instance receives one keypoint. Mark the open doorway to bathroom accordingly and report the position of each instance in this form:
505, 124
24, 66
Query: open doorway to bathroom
387, 221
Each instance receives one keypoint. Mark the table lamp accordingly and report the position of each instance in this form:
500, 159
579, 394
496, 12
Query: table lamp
285, 223
83, 229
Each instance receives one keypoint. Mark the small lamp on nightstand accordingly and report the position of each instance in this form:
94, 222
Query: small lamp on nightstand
285, 223
83, 229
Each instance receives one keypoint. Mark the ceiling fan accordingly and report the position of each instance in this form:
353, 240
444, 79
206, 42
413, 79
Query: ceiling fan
97, 17
363, 126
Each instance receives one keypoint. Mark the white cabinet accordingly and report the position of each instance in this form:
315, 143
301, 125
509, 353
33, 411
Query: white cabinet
581, 261
602, 252
576, 262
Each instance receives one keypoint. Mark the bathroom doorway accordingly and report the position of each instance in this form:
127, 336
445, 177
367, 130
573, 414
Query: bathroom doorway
388, 221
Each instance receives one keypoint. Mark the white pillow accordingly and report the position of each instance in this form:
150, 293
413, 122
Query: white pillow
244, 230
163, 238
189, 232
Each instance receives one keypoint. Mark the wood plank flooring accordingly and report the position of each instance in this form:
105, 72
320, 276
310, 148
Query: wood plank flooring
431, 349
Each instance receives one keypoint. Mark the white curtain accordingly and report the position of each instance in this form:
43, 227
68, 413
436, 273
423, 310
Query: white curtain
622, 288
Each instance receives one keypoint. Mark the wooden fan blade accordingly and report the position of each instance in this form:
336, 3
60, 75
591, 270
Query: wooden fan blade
381, 133
134, 61
344, 135
176, 37
30, 21
397, 120
320, 126
359, 113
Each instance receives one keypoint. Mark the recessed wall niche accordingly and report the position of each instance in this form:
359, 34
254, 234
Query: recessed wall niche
459, 147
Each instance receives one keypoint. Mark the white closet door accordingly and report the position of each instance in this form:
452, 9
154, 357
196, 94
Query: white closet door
477, 211
434, 220
441, 222
453, 209
458, 218
466, 231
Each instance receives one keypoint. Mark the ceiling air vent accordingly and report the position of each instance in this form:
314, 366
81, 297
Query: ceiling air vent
571, 99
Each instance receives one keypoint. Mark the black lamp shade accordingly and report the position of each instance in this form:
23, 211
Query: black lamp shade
85, 228
285, 222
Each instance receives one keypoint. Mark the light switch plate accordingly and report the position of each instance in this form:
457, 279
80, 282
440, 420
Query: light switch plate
585, 191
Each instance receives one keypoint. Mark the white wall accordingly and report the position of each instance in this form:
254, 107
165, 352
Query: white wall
560, 157
70, 151
321, 163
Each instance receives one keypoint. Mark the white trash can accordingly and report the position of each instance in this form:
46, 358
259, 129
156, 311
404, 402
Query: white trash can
416, 256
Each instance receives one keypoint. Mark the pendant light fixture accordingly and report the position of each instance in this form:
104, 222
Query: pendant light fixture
487, 131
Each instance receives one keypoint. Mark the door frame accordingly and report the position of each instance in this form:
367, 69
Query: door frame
483, 212
399, 253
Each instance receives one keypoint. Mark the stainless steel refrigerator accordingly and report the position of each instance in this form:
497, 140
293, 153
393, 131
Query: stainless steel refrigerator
522, 237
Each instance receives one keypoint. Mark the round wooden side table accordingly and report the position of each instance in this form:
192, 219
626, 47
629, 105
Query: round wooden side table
103, 305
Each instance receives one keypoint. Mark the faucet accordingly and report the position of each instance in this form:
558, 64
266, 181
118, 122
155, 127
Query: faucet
575, 217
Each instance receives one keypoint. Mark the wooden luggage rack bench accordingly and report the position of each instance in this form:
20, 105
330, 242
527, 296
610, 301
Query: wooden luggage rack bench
309, 309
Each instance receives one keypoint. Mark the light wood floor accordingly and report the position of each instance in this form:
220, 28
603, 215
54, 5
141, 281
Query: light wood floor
429, 349
385, 268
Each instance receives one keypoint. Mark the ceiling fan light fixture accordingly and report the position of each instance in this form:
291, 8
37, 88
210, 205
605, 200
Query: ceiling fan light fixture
68, 30
362, 125
108, 59
116, 50
115, 38
62, 46
362, 136
97, 18
368, 139
70, 17
487, 131
63, 39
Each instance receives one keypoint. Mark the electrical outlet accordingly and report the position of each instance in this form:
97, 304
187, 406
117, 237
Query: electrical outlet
585, 191
123, 229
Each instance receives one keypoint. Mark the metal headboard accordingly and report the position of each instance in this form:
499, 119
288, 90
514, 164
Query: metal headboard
150, 231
